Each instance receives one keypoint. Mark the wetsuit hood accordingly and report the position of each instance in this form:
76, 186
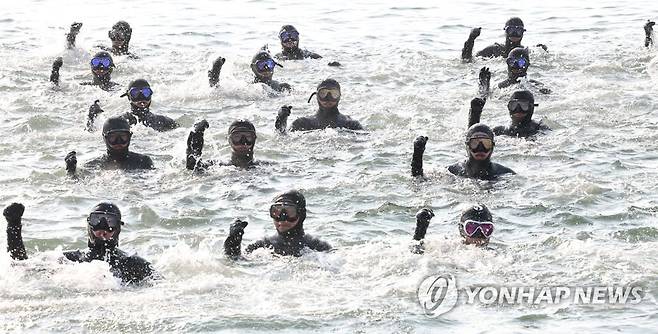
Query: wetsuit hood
289, 29
121, 31
105, 78
479, 213
140, 112
523, 95
98, 244
236, 157
261, 55
514, 55
513, 22
297, 198
478, 166
115, 124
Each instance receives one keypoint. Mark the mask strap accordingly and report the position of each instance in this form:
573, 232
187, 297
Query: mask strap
310, 97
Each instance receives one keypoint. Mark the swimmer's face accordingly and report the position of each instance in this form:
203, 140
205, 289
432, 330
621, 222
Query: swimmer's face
327, 104
515, 39
518, 117
141, 104
290, 43
100, 72
285, 226
480, 146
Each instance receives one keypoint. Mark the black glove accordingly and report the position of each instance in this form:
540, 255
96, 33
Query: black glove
233, 242
95, 109
334, 64
132, 120
282, 118
201, 126
73, 33
284, 112
543, 46
485, 77
54, 74
648, 27
71, 162
13, 213
213, 74
419, 144
423, 218
475, 32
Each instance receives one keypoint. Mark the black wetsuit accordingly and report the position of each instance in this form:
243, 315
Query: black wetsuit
491, 51
194, 150
323, 118
275, 85
125, 160
296, 54
130, 269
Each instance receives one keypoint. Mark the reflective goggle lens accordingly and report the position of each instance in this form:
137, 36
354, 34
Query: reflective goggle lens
118, 138
329, 94
517, 63
146, 92
265, 65
100, 62
515, 30
103, 221
475, 142
283, 212
471, 227
243, 138
286, 36
515, 104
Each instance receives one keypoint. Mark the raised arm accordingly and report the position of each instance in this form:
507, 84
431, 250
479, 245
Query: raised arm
94, 110
72, 34
281, 122
233, 243
71, 161
648, 31
484, 83
417, 158
423, 218
467, 51
213, 74
477, 104
195, 144
14, 214
54, 74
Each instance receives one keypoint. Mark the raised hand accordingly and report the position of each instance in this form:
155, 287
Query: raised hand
484, 77
233, 243
475, 32
201, 126
71, 161
419, 143
13, 213
213, 74
648, 30
72, 34
424, 215
281, 122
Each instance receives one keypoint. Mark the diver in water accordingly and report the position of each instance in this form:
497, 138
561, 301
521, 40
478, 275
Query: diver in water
289, 37
103, 229
139, 94
475, 226
518, 62
262, 65
101, 69
288, 211
514, 30
521, 107
479, 147
241, 138
648, 31
117, 135
328, 95
120, 35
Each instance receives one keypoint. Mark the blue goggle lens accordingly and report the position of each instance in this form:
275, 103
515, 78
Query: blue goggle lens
289, 35
263, 65
145, 91
101, 62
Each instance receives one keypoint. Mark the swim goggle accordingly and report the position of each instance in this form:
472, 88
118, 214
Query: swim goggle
283, 212
515, 30
331, 94
243, 138
101, 62
99, 220
471, 227
266, 65
515, 104
135, 92
520, 62
119, 137
286, 36
473, 143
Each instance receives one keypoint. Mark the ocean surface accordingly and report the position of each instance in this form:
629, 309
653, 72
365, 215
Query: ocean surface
581, 211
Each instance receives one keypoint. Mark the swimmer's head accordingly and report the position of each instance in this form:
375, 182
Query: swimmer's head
289, 37
288, 212
117, 135
514, 30
262, 64
327, 94
479, 142
476, 225
242, 137
139, 94
104, 225
521, 106
518, 61
102, 65
120, 35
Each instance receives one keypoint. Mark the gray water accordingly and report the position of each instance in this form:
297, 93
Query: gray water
580, 212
